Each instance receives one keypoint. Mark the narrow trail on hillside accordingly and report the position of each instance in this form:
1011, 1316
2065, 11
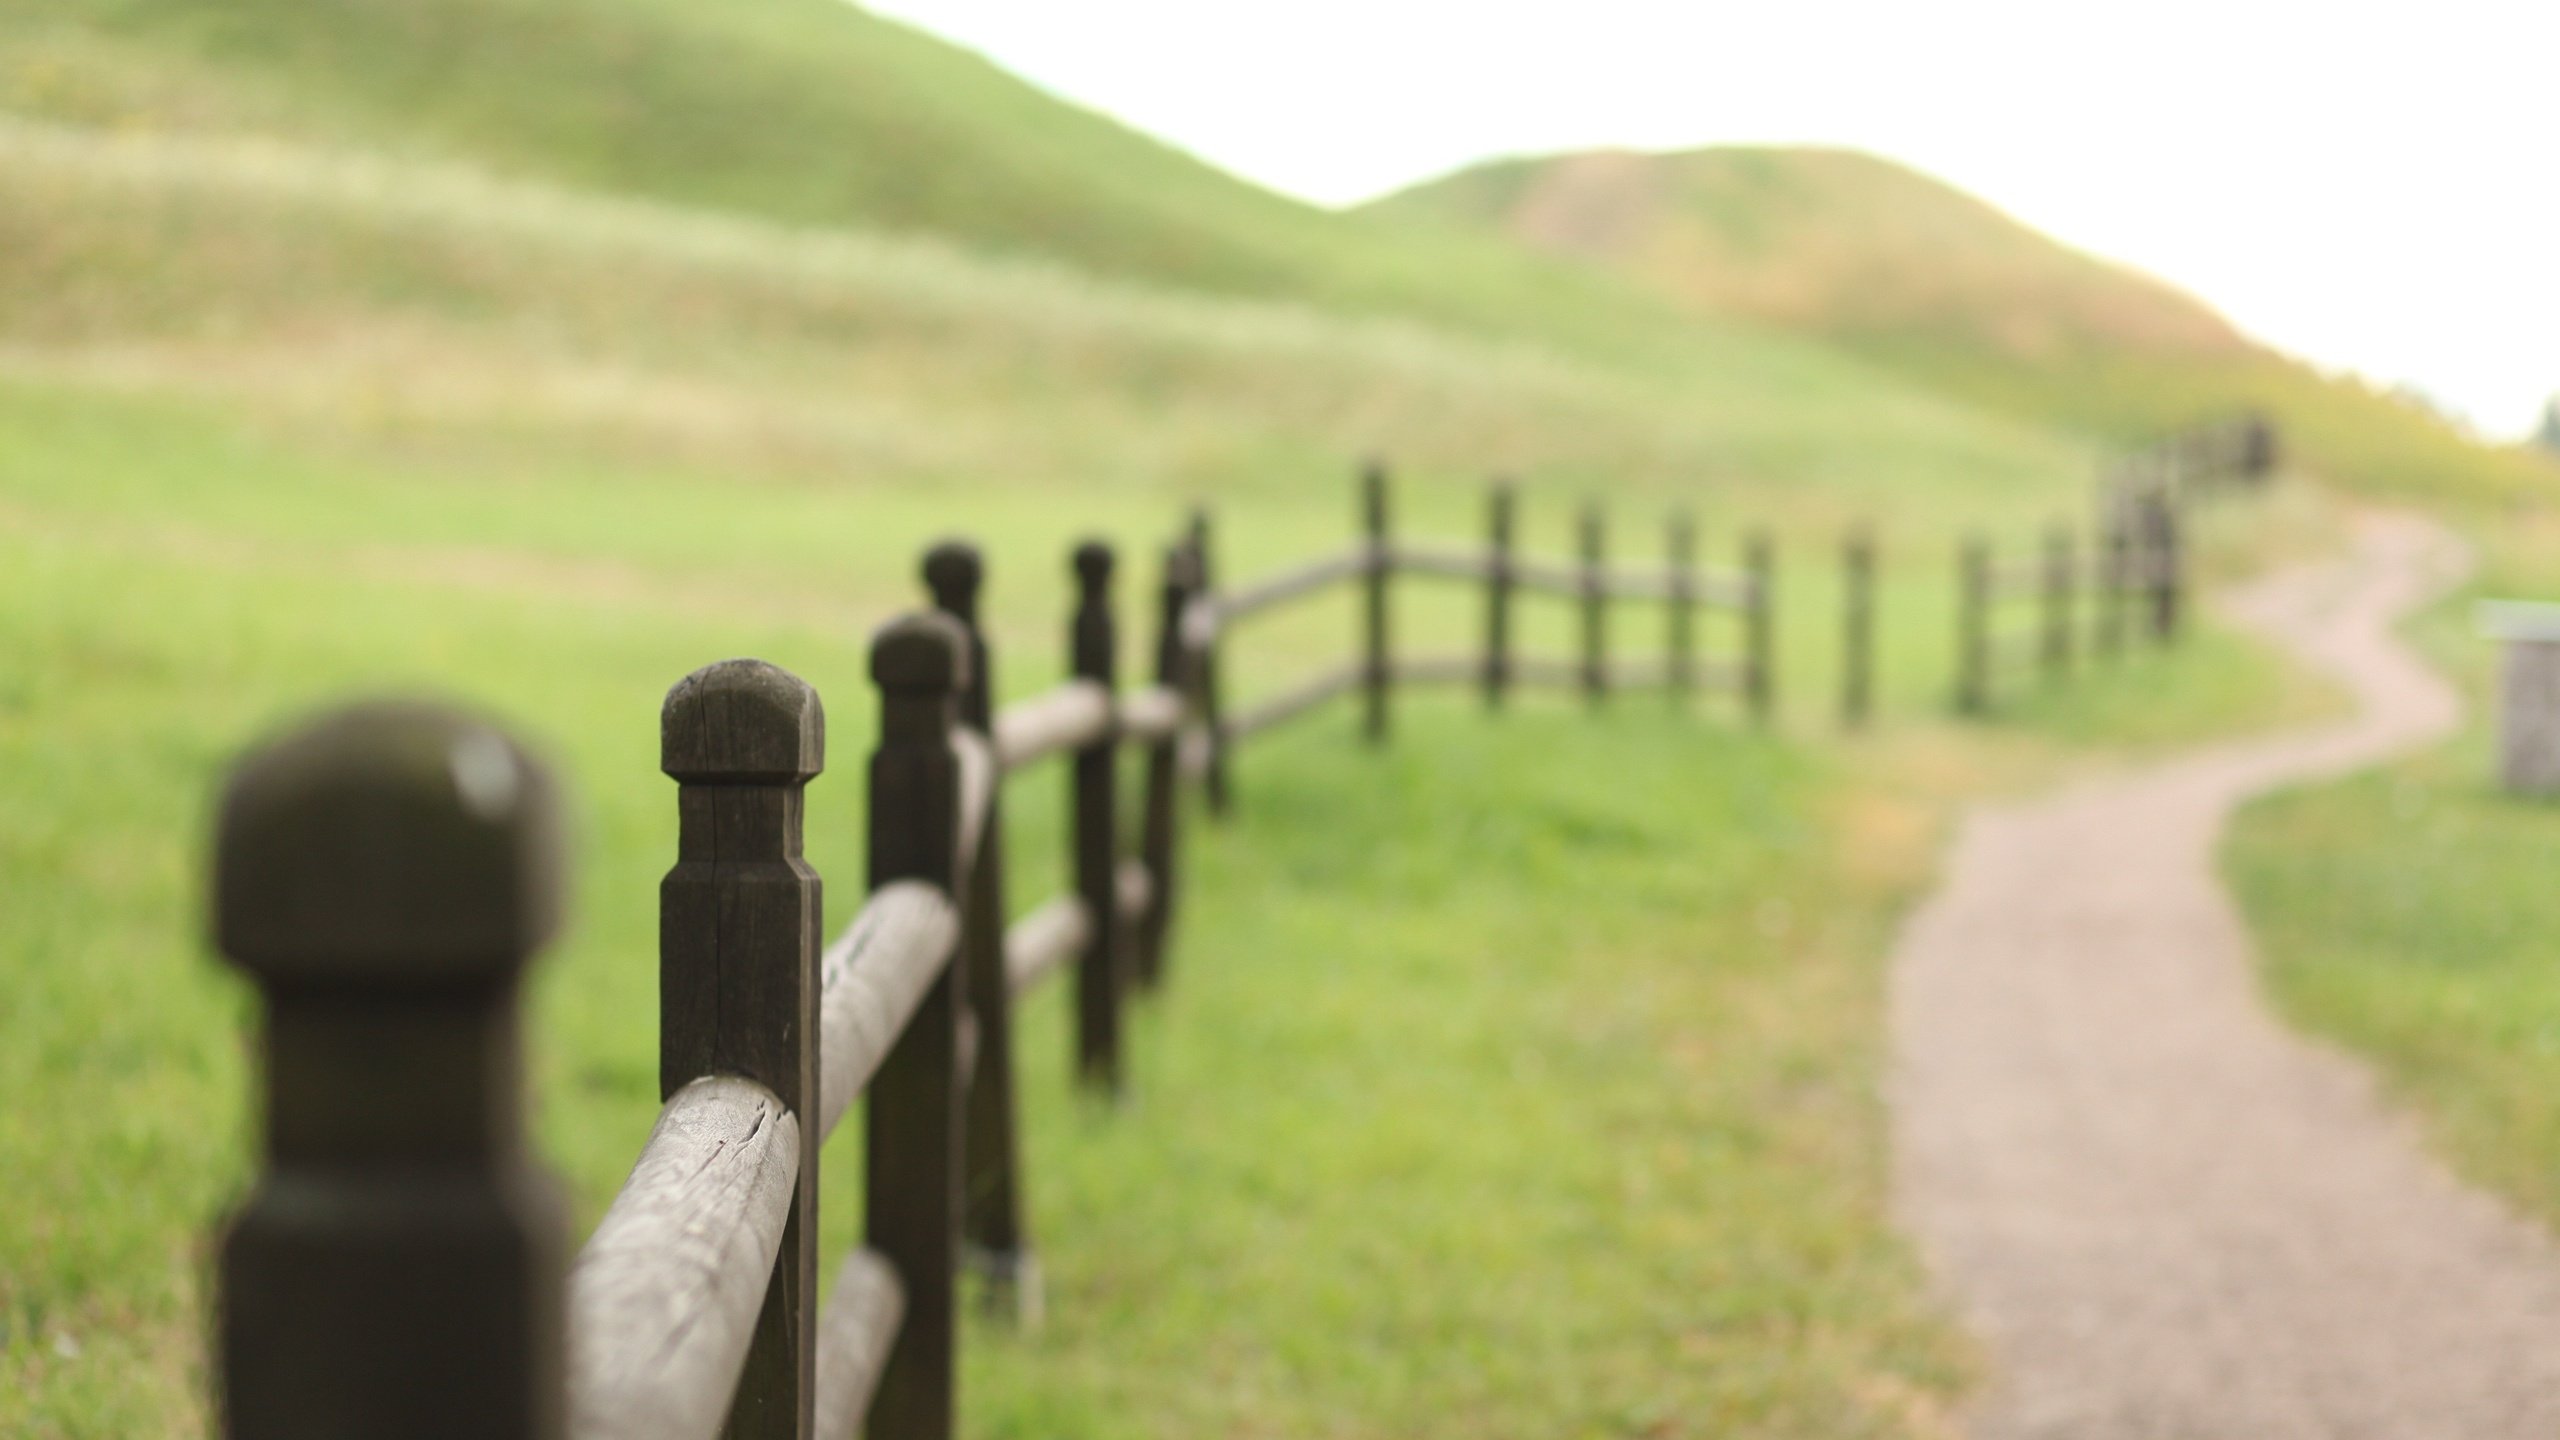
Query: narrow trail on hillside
2166, 1216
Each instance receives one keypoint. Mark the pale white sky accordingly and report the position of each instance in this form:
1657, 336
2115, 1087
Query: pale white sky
2373, 187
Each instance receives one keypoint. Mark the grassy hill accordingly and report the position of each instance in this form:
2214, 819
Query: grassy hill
803, 112
1830, 241
1919, 276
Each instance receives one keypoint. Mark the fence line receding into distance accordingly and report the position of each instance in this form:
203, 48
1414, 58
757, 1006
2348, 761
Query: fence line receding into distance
386, 874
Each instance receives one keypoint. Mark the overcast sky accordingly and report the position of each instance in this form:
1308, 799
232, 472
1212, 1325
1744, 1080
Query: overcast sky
2374, 187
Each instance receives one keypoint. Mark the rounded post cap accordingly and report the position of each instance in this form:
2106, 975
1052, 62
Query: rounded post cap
923, 653
1093, 561
953, 571
742, 722
391, 843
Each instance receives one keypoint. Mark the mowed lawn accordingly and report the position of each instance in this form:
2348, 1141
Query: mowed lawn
1517, 1079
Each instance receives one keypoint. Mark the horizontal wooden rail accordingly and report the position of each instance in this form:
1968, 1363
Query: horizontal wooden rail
1149, 715
663, 1299
855, 1330
1069, 717
870, 982
1134, 888
978, 776
1543, 575
1289, 704
1538, 670
1249, 600
1439, 670
1446, 564
1040, 942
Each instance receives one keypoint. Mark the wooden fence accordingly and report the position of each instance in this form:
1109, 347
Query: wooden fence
1681, 587
385, 875
2021, 614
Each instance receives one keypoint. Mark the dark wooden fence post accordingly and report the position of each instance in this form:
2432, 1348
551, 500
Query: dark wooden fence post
1680, 665
1858, 627
992, 1234
2258, 453
1211, 689
738, 947
2059, 580
1376, 668
1502, 503
2115, 570
912, 1164
1160, 840
384, 875
1973, 627
2165, 563
1094, 830
1595, 607
1760, 626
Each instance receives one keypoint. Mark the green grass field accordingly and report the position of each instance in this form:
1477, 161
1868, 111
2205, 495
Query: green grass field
1533, 1113
2408, 912
318, 376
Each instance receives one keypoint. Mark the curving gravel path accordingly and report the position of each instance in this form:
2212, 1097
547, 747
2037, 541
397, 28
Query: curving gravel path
2166, 1216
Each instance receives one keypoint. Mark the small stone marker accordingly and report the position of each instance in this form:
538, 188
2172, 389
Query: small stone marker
2528, 694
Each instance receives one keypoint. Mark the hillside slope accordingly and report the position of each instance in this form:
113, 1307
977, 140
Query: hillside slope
805, 112
1909, 271
1832, 241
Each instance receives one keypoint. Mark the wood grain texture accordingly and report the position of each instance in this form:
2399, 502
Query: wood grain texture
664, 1299
738, 943
856, 1331
384, 875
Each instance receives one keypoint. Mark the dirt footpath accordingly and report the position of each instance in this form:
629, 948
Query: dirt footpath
2166, 1216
